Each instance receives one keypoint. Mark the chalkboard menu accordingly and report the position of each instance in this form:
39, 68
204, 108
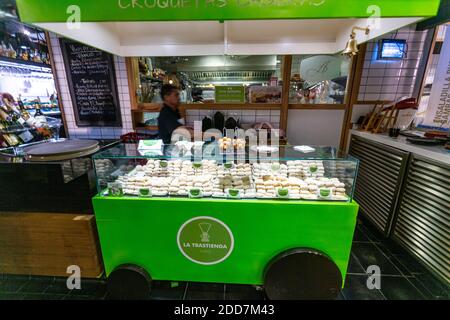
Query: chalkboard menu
92, 85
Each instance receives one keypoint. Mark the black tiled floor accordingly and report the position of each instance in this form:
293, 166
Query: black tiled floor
369, 254
354, 266
205, 291
58, 286
243, 292
166, 290
402, 277
38, 285
399, 288
356, 289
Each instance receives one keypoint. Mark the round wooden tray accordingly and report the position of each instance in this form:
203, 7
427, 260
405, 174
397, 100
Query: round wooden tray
62, 150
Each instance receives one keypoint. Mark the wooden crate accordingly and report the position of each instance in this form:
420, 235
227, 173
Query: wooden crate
47, 243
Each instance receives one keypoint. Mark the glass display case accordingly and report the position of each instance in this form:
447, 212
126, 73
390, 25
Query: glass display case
204, 170
319, 79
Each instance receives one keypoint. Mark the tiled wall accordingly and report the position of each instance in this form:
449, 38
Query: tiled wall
388, 80
245, 116
124, 100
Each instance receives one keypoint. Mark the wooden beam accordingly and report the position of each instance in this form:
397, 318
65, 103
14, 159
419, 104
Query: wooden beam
317, 106
133, 80
373, 102
286, 74
353, 84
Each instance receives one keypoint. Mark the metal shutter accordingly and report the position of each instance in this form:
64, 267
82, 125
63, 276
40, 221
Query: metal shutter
423, 220
380, 175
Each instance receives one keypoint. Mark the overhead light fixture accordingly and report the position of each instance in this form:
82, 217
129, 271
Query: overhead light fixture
172, 80
351, 49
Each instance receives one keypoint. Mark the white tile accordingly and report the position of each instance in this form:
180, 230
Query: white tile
262, 112
274, 119
248, 112
371, 97
262, 118
123, 74
248, 119
275, 112
374, 81
376, 73
373, 89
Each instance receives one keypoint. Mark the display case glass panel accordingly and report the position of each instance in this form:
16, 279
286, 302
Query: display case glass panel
319, 79
205, 170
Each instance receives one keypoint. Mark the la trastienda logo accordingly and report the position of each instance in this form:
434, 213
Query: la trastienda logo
205, 240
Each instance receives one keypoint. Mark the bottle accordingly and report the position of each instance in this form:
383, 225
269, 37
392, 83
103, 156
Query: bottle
4, 49
12, 140
3, 115
39, 116
20, 103
25, 55
36, 56
11, 52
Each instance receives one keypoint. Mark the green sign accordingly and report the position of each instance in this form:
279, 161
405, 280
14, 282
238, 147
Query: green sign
230, 94
205, 240
179, 10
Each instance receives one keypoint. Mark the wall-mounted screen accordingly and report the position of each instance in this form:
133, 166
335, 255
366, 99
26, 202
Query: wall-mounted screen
393, 49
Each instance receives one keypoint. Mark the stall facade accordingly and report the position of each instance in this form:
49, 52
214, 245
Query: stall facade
297, 202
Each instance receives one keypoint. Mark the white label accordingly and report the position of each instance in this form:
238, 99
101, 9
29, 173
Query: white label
21, 121
26, 136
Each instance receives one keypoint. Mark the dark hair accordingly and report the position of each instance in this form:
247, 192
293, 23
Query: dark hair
167, 89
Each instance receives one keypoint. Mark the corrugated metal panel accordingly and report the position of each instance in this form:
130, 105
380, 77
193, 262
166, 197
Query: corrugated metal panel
423, 219
380, 176
208, 76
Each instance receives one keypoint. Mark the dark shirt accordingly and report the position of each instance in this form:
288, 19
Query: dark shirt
168, 122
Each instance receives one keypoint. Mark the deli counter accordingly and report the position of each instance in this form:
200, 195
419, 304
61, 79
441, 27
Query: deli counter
251, 216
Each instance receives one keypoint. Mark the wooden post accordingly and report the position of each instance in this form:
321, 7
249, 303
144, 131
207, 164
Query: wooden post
286, 72
133, 80
352, 97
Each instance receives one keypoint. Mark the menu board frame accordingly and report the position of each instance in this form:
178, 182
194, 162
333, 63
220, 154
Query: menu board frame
80, 120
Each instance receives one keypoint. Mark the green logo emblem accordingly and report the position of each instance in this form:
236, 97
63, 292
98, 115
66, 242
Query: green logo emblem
205, 240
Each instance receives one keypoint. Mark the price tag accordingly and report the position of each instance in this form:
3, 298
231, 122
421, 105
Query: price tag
21, 121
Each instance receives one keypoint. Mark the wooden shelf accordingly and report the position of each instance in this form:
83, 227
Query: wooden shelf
385, 102
151, 128
317, 106
143, 107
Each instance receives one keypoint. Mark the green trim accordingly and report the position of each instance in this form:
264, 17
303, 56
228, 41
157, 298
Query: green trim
35, 11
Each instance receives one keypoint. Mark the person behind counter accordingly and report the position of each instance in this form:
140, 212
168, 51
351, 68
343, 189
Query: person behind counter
169, 117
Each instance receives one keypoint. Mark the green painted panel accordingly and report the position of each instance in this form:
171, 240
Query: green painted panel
145, 232
177, 10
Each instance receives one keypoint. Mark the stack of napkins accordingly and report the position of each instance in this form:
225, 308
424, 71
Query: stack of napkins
150, 147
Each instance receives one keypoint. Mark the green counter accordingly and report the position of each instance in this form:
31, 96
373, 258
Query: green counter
233, 242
